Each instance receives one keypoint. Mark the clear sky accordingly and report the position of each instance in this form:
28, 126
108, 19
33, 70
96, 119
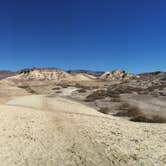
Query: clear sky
83, 34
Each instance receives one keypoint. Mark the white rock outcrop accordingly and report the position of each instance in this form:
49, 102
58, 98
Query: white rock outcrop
42, 74
117, 75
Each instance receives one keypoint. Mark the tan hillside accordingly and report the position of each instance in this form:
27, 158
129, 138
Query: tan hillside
41, 74
90, 122
37, 133
45, 74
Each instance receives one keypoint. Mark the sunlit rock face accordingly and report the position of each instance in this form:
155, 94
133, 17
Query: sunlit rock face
118, 75
42, 74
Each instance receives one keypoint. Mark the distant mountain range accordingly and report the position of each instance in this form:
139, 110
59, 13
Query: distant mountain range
156, 73
5, 74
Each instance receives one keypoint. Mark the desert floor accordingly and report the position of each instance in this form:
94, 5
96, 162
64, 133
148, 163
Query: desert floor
43, 130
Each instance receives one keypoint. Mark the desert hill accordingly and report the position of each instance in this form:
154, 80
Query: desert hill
117, 75
45, 130
49, 117
157, 75
44, 74
41, 74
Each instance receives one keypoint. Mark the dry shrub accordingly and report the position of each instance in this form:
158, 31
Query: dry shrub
56, 88
155, 94
153, 119
81, 90
28, 89
151, 88
124, 106
159, 87
58, 91
99, 94
77, 85
163, 79
120, 89
104, 110
126, 110
116, 100
114, 94
65, 86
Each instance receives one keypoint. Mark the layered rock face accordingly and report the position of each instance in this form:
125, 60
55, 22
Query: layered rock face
117, 75
42, 74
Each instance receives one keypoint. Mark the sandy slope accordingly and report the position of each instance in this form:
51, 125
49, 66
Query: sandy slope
48, 131
54, 104
8, 91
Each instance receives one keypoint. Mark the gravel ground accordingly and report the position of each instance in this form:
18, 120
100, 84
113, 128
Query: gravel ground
53, 131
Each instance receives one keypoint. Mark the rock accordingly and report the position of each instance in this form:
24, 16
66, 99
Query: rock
44, 74
41, 74
118, 75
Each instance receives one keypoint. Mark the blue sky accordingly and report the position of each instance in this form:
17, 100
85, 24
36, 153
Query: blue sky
83, 34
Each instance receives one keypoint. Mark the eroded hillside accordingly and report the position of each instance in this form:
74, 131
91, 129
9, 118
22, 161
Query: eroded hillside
54, 118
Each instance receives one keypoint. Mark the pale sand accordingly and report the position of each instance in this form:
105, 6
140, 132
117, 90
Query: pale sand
45, 131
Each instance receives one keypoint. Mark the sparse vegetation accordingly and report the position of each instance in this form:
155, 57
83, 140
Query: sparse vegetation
113, 93
110, 94
56, 88
65, 85
163, 79
136, 115
77, 85
58, 91
116, 100
161, 86
82, 90
104, 110
153, 119
129, 111
155, 94
125, 89
28, 89
99, 94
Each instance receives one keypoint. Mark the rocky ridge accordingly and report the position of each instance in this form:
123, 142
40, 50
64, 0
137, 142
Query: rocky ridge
41, 74
48, 74
118, 75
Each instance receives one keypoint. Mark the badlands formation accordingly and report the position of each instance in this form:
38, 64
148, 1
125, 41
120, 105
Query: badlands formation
49, 74
117, 75
51, 117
